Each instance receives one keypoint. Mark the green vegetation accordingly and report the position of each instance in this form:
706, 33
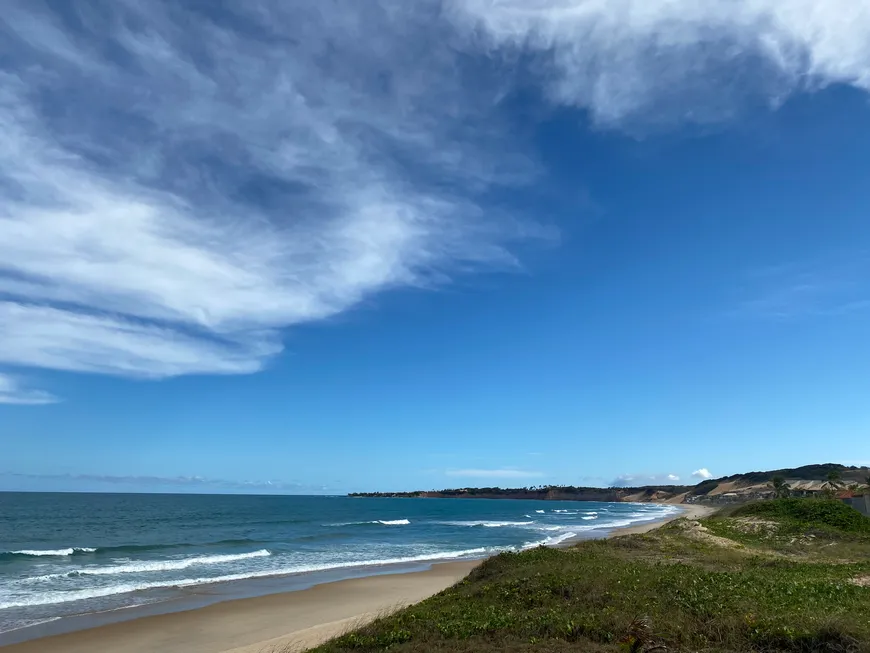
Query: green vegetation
833, 482
551, 492
833, 475
722, 584
805, 473
810, 515
705, 487
780, 488
811, 529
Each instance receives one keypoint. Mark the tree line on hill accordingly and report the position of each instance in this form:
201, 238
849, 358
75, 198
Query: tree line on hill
836, 478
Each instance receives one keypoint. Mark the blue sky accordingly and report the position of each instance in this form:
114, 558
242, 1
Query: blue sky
331, 246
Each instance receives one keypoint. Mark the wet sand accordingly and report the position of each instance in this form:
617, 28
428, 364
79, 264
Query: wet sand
288, 621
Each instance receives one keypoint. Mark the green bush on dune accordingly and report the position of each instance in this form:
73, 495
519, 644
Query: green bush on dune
823, 514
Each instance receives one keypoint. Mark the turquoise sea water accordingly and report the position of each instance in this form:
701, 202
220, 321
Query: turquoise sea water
63, 555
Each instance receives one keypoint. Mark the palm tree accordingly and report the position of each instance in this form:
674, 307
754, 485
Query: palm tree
781, 489
833, 483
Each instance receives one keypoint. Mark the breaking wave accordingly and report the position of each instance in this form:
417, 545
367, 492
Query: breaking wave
38, 553
155, 565
49, 598
383, 522
488, 524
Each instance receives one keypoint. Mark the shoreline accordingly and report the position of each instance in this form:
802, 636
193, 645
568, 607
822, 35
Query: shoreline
284, 621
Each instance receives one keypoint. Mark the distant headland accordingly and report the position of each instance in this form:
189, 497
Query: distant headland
831, 478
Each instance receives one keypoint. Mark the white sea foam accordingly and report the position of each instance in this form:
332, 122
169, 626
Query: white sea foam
629, 520
619, 523
557, 539
550, 541
53, 552
540, 512
487, 524
383, 522
26, 623
49, 598
154, 566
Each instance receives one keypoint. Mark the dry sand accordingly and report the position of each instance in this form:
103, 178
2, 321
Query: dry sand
292, 621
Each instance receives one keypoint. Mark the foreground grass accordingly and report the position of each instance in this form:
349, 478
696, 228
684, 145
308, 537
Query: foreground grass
709, 586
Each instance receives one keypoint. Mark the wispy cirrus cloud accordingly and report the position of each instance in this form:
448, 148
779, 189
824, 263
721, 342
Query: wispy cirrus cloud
179, 185
637, 62
828, 286
13, 391
506, 473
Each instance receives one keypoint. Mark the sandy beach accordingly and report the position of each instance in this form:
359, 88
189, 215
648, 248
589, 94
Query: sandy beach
290, 621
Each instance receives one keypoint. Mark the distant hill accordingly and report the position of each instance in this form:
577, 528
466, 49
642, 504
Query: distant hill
805, 473
544, 493
806, 479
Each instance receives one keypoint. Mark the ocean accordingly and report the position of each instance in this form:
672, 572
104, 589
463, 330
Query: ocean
67, 555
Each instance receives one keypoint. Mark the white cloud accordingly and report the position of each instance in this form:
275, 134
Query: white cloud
13, 392
640, 480
494, 473
678, 60
41, 336
703, 473
171, 207
208, 187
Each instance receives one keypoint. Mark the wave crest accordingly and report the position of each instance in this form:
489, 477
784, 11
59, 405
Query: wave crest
49, 598
38, 553
488, 524
124, 548
154, 566
382, 522
550, 541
